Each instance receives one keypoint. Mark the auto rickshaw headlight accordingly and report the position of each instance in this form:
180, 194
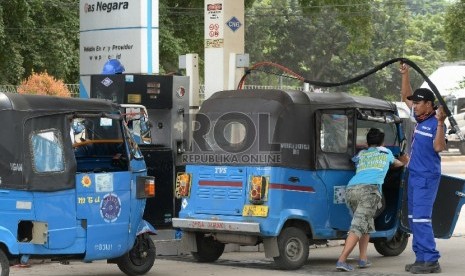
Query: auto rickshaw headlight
145, 187
183, 185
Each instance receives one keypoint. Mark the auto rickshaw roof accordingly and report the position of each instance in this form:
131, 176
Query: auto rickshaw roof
289, 118
22, 102
316, 100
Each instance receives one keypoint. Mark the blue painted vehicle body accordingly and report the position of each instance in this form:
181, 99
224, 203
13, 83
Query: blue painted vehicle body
274, 167
286, 200
67, 192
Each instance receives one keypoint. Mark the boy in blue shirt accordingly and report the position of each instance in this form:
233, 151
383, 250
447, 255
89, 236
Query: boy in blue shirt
363, 194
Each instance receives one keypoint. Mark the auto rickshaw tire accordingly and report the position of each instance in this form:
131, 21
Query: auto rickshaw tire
293, 246
140, 259
394, 247
208, 249
4, 264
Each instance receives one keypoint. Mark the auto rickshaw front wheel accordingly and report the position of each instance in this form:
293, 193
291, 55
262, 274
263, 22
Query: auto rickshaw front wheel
394, 247
4, 264
139, 260
293, 246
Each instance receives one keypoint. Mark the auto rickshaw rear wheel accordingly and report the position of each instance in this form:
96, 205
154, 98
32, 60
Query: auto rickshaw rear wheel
293, 246
139, 260
394, 247
208, 249
4, 264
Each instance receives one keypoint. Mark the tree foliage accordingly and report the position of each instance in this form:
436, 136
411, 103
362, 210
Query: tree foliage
39, 35
325, 40
181, 30
43, 84
318, 40
352, 14
454, 31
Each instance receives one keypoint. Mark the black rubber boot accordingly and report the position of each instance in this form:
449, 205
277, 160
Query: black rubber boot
408, 266
425, 268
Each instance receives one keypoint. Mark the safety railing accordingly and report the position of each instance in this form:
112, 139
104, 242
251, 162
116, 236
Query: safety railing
74, 89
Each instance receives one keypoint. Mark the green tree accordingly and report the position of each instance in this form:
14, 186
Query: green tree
425, 44
454, 31
39, 35
181, 31
422, 7
13, 17
279, 31
320, 46
325, 40
352, 14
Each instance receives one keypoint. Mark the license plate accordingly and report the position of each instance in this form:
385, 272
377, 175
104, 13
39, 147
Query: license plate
255, 211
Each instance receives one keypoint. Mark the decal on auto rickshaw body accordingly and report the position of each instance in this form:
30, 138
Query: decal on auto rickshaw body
110, 207
86, 181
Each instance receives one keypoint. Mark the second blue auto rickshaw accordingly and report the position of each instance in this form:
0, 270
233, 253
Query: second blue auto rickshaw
73, 184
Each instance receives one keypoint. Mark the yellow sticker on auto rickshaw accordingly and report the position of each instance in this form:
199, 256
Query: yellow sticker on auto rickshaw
255, 211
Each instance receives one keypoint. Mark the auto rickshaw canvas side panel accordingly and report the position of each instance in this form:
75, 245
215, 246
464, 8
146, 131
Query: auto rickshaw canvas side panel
39, 162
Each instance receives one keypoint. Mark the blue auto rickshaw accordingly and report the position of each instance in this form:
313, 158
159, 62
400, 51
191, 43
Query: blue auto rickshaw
73, 184
271, 167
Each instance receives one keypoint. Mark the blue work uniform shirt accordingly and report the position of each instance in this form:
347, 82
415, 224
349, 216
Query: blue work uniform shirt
423, 158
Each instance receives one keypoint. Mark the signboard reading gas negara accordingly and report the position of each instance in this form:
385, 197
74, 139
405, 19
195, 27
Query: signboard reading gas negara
106, 6
112, 29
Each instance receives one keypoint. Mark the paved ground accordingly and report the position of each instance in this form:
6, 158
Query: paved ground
321, 261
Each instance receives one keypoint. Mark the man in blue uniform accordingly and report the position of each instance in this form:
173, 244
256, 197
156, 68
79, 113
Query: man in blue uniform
424, 173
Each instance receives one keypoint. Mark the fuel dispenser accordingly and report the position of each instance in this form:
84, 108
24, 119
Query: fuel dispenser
167, 102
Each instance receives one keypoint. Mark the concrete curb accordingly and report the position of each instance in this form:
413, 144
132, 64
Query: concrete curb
452, 158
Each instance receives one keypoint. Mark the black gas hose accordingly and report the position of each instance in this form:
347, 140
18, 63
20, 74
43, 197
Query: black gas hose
357, 78
412, 64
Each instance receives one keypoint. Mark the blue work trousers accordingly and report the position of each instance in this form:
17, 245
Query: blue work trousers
421, 195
